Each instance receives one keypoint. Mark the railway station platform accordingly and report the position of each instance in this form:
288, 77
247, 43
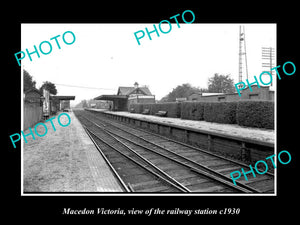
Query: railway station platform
230, 140
230, 130
65, 160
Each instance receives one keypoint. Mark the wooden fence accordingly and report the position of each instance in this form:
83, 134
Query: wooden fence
32, 114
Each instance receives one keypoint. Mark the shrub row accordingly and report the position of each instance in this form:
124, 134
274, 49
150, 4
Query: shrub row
245, 113
192, 110
220, 112
256, 114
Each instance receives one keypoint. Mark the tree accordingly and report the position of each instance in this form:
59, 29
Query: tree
221, 84
181, 91
49, 86
28, 82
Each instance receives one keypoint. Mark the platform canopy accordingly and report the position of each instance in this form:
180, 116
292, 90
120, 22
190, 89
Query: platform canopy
111, 97
119, 101
63, 97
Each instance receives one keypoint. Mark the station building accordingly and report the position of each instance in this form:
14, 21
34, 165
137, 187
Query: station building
35, 109
128, 95
262, 93
60, 102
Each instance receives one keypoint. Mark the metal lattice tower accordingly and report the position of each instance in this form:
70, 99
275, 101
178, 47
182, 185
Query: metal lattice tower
242, 52
268, 54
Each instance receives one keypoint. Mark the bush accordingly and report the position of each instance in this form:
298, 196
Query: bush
258, 114
192, 110
255, 114
220, 112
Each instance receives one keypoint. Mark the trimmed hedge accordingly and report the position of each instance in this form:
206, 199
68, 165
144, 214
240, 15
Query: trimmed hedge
258, 114
255, 114
220, 112
192, 110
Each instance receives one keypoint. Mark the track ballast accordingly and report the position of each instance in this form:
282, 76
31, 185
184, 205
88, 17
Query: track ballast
147, 162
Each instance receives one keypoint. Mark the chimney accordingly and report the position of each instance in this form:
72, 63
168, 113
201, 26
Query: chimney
136, 85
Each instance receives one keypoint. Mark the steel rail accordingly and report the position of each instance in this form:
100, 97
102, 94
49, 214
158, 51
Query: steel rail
214, 177
197, 164
139, 164
107, 161
189, 146
189, 160
147, 161
181, 187
224, 180
201, 150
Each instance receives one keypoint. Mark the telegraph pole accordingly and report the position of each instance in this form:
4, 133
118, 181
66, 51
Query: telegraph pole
268, 54
242, 52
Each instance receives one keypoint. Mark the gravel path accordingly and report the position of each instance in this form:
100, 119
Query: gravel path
57, 161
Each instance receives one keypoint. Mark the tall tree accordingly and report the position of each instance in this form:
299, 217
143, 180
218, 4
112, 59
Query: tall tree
181, 91
50, 87
221, 84
28, 82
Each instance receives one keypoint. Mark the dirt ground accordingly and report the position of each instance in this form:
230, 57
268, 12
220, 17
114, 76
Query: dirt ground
54, 162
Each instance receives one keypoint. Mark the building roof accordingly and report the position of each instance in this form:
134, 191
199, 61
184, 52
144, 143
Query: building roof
256, 87
206, 94
211, 94
129, 90
62, 97
111, 97
33, 90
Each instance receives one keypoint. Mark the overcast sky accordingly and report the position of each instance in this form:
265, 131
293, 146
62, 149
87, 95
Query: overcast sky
108, 56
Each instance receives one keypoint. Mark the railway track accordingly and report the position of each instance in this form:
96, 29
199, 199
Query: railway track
178, 166
133, 174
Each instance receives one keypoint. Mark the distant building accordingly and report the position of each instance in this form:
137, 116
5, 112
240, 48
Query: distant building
38, 106
262, 93
98, 104
128, 95
33, 95
133, 91
60, 102
181, 99
65, 104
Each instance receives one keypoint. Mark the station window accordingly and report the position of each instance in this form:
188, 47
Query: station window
253, 96
221, 99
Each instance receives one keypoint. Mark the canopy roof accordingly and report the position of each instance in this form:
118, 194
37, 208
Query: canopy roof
62, 97
111, 97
